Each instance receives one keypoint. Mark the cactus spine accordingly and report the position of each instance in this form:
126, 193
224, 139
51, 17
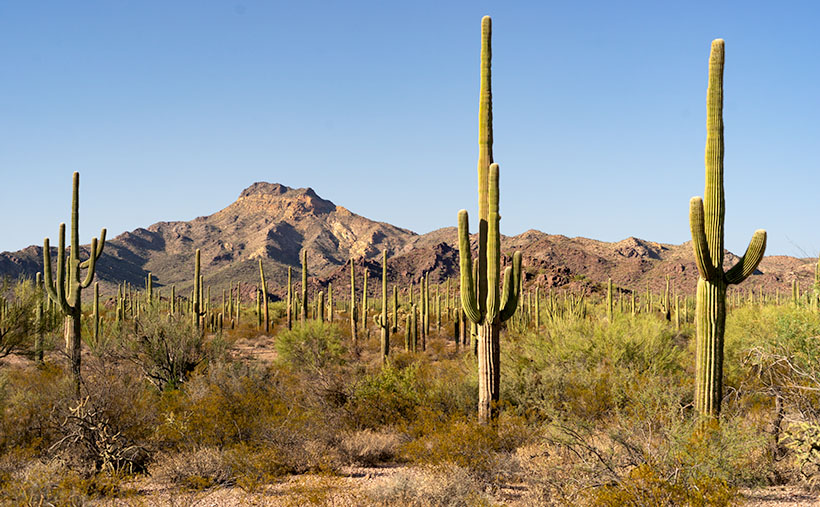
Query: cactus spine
381, 320
66, 292
482, 305
706, 222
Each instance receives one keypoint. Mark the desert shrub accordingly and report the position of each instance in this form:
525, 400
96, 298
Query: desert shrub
242, 403
39, 483
803, 439
316, 354
90, 437
644, 486
17, 320
368, 447
484, 451
449, 486
29, 400
166, 348
313, 347
196, 469
226, 404
636, 463
777, 350
254, 466
389, 396
277, 310
783, 359
587, 369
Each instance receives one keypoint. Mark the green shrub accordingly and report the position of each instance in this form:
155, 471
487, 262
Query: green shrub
389, 396
581, 369
312, 347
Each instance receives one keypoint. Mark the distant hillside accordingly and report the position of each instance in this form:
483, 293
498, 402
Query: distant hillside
275, 223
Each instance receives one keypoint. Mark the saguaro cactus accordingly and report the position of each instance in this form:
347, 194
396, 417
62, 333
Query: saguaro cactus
196, 299
381, 320
38, 337
66, 291
264, 288
483, 306
816, 298
304, 315
706, 222
290, 298
353, 318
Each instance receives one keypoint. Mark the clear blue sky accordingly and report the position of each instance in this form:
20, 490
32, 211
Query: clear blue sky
170, 108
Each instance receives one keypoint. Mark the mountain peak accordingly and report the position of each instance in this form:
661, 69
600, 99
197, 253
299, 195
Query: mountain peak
265, 188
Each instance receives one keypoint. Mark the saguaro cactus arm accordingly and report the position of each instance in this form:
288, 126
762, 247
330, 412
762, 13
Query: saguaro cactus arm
699, 242
91, 262
468, 297
493, 243
55, 291
95, 253
512, 288
750, 260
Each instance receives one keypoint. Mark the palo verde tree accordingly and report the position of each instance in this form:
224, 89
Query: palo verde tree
66, 292
480, 298
706, 221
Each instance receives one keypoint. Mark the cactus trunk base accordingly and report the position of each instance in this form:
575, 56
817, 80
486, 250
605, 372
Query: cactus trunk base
711, 318
489, 379
73, 347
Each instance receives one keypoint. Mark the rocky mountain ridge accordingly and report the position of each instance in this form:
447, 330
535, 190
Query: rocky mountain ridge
273, 222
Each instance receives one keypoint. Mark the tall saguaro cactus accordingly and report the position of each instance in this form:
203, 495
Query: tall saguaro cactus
381, 319
264, 288
482, 305
706, 222
66, 292
304, 310
354, 335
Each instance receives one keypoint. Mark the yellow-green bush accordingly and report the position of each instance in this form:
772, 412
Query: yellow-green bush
485, 451
645, 486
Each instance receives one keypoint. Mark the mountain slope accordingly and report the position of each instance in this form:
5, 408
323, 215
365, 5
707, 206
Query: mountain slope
275, 223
